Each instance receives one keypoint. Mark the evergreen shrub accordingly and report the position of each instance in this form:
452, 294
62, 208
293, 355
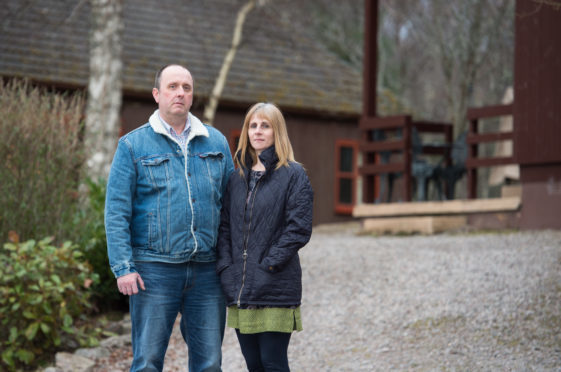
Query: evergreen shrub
44, 301
94, 244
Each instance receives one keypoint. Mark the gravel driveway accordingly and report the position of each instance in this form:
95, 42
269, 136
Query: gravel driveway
459, 302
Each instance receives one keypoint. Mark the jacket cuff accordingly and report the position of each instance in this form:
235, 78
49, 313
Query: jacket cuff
123, 269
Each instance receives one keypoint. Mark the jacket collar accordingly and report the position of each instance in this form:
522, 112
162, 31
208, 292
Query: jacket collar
197, 127
268, 157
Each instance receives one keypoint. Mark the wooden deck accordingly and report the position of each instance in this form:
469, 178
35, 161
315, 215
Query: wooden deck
438, 216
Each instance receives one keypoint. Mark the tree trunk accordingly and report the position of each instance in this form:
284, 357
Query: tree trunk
210, 109
105, 86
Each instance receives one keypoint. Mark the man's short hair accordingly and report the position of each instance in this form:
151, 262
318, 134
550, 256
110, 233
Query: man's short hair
158, 78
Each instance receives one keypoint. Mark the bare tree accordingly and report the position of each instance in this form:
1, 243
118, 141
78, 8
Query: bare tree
464, 40
210, 109
435, 57
104, 87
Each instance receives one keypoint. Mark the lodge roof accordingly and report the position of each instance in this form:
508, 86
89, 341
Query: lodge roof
47, 41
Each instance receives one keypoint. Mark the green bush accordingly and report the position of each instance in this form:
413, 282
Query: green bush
42, 169
92, 239
42, 156
44, 299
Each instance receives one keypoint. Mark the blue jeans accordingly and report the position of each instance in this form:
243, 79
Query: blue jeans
192, 289
266, 351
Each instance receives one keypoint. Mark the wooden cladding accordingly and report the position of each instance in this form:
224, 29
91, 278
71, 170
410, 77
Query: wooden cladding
387, 122
537, 82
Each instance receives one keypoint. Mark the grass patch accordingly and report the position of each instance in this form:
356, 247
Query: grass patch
441, 323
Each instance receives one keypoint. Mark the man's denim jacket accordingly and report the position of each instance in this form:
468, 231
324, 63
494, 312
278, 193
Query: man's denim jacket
163, 205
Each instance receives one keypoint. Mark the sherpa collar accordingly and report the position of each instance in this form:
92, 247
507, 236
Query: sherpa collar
197, 127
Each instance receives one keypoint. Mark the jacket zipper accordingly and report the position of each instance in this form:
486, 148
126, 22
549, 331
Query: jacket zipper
190, 200
244, 254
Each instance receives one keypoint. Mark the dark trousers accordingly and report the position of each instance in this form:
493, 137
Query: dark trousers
265, 352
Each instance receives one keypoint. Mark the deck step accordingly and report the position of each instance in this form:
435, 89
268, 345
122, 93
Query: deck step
409, 225
434, 208
436, 217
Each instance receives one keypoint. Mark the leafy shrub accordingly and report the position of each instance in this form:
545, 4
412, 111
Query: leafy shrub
42, 156
44, 299
92, 238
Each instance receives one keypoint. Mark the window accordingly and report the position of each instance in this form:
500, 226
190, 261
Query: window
346, 174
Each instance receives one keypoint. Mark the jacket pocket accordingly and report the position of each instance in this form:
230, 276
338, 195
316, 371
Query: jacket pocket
157, 171
230, 282
153, 230
214, 163
267, 285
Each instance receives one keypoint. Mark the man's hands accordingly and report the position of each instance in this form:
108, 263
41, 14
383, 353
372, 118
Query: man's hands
127, 284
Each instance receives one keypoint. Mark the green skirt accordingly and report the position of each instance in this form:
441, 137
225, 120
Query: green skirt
268, 319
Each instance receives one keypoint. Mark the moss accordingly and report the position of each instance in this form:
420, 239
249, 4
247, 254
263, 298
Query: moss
473, 231
440, 323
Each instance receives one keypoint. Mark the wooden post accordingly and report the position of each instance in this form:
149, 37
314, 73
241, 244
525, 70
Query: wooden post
369, 87
472, 154
407, 159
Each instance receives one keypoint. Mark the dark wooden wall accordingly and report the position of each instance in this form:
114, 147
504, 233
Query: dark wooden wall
537, 75
537, 111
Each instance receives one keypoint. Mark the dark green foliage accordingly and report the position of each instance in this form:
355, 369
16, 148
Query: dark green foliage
92, 239
44, 300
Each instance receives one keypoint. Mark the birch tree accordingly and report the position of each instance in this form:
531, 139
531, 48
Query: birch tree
210, 108
105, 85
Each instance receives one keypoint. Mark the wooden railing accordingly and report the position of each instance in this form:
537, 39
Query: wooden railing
372, 150
474, 138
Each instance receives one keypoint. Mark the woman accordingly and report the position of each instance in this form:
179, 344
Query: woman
266, 218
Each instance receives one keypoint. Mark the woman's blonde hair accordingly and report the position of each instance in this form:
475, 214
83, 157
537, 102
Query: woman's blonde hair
283, 148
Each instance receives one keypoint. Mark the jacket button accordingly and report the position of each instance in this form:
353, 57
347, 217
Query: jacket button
193, 200
189, 174
270, 268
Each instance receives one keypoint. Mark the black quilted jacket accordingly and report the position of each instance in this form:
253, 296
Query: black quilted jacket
258, 259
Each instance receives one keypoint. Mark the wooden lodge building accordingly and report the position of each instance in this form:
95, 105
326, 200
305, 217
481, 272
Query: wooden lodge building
47, 42
330, 109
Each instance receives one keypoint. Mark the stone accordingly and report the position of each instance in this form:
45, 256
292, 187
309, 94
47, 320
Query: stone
116, 341
115, 327
67, 362
126, 328
93, 353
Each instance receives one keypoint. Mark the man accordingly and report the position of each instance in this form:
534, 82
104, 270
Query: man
164, 196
